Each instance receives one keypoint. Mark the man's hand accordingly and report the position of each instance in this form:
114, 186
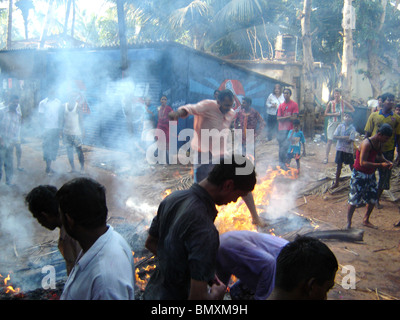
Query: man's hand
217, 290
387, 165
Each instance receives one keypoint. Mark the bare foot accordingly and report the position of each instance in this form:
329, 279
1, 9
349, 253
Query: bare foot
369, 225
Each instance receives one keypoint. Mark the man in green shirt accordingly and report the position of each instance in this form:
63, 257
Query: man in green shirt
375, 120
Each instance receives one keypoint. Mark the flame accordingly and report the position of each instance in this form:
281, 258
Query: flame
9, 288
167, 193
141, 283
236, 216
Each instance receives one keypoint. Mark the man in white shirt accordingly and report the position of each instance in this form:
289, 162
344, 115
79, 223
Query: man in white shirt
49, 109
104, 269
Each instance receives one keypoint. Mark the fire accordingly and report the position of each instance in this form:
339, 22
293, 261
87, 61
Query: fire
141, 283
236, 216
7, 288
167, 193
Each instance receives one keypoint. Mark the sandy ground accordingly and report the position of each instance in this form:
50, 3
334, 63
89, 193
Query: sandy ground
133, 193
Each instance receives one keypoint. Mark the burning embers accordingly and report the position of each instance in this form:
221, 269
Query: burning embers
7, 288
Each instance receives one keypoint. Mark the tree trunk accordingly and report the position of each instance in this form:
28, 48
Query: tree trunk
73, 18
307, 72
373, 73
347, 57
67, 17
122, 34
46, 24
9, 29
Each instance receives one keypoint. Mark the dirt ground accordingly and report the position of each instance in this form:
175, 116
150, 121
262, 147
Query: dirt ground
133, 194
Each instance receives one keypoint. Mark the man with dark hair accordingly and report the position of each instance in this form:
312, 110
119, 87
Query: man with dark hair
213, 118
216, 93
10, 127
184, 238
104, 269
305, 270
363, 187
287, 112
385, 115
43, 205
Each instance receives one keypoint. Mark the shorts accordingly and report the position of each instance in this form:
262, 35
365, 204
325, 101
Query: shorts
344, 157
330, 130
385, 174
72, 140
363, 188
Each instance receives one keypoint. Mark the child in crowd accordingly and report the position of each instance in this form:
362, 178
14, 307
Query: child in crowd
345, 135
296, 137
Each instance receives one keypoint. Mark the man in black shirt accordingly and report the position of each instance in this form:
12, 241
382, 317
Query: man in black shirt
184, 238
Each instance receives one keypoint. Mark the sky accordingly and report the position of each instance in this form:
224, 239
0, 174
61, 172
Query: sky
90, 6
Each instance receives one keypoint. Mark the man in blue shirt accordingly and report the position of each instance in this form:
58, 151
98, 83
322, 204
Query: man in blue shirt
250, 257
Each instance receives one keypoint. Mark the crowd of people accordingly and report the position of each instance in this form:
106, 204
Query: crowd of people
98, 259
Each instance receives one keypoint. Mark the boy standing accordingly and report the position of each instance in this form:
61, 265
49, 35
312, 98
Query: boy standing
295, 137
345, 135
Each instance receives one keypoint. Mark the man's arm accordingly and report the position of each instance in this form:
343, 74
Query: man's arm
151, 244
381, 162
348, 105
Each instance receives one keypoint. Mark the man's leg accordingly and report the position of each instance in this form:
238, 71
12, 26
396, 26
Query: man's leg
328, 149
70, 154
370, 207
18, 154
338, 173
81, 157
283, 147
350, 212
9, 164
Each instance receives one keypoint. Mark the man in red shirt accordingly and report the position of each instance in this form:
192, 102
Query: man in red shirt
287, 112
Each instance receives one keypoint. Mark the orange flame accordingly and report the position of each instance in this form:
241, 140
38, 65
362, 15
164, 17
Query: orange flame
8, 288
236, 216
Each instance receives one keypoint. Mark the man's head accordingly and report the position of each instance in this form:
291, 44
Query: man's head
246, 102
147, 101
296, 125
348, 118
225, 100
380, 103
337, 93
305, 269
163, 100
287, 93
82, 204
384, 132
387, 102
43, 205
397, 109
234, 176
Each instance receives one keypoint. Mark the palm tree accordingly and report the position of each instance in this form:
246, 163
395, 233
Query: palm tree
9, 29
25, 6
